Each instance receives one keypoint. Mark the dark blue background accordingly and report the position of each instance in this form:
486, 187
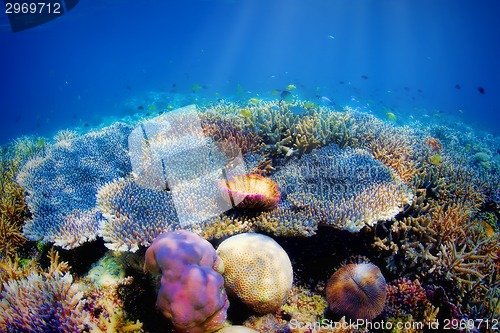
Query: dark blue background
84, 66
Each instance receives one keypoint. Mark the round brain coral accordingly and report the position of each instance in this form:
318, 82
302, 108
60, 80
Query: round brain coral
257, 271
357, 291
192, 291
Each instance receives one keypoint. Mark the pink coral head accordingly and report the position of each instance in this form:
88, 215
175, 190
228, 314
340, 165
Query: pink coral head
250, 191
192, 291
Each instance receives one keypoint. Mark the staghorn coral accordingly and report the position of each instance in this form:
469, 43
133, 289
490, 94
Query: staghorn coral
192, 291
287, 132
347, 189
13, 210
62, 185
257, 271
230, 133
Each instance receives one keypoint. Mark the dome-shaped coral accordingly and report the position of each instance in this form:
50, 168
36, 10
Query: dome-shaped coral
192, 291
250, 191
257, 271
357, 291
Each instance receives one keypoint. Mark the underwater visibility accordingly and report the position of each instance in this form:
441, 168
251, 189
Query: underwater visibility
273, 166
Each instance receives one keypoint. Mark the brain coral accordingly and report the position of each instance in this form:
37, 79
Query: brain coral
344, 188
192, 291
257, 271
62, 185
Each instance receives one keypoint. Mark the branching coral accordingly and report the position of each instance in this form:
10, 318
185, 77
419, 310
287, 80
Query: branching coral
43, 302
291, 128
13, 210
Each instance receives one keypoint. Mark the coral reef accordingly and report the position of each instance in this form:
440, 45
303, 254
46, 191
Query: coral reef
344, 188
237, 329
250, 191
133, 215
13, 210
63, 184
257, 271
290, 128
357, 291
192, 291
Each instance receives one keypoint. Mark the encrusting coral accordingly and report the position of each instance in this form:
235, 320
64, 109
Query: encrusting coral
192, 291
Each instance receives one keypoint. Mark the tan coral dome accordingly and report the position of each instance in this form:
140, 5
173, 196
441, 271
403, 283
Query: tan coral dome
257, 271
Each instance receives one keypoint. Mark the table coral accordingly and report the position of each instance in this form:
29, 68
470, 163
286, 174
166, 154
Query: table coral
192, 291
62, 185
257, 271
344, 188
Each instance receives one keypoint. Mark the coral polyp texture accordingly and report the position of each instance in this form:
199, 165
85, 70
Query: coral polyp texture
345, 188
192, 291
171, 152
257, 271
133, 216
62, 185
250, 191
357, 291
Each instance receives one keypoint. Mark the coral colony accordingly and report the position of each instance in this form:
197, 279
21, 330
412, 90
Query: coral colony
257, 216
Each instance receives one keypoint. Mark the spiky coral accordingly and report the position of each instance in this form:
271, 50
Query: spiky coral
230, 133
13, 210
287, 132
42, 301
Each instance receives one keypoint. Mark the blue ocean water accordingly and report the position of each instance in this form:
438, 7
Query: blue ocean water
417, 59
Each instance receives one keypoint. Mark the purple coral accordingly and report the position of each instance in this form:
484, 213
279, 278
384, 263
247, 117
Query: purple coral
192, 291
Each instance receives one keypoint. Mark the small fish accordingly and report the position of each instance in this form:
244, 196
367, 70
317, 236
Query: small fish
152, 108
435, 159
140, 107
364, 77
290, 87
481, 90
326, 100
246, 113
457, 86
275, 92
331, 37
254, 100
310, 105
286, 96
391, 116
195, 87
460, 110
